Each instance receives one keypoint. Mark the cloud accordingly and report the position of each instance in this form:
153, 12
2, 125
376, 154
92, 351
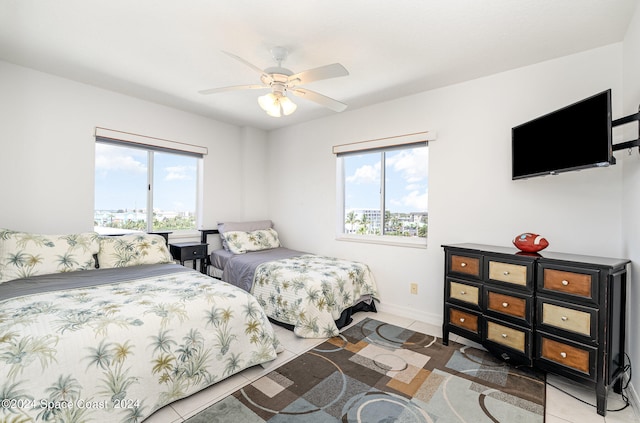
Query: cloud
416, 200
109, 158
366, 174
412, 164
406, 180
178, 173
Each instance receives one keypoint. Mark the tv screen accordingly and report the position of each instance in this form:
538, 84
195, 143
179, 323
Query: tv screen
575, 137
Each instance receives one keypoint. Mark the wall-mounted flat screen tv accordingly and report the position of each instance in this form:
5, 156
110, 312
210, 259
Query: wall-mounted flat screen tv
575, 137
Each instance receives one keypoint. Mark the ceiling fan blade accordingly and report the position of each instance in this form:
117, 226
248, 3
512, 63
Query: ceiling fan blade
323, 72
240, 59
323, 100
232, 88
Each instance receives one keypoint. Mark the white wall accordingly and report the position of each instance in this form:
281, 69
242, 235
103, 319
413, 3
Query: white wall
254, 175
471, 195
47, 155
47, 151
631, 192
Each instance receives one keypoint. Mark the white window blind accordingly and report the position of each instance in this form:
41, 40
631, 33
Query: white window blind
383, 143
157, 144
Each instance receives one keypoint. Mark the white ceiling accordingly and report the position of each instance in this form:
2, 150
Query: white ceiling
167, 50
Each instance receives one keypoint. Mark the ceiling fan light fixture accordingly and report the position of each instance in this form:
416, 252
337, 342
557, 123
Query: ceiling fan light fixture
287, 105
276, 104
282, 81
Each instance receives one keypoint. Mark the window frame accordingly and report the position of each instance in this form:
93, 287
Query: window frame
151, 146
381, 145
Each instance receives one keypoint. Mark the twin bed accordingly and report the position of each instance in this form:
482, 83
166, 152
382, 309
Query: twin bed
312, 295
110, 329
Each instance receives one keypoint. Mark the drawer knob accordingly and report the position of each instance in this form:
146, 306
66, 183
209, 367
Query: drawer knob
463, 264
195, 252
563, 354
504, 335
463, 292
505, 305
505, 273
564, 318
462, 320
565, 282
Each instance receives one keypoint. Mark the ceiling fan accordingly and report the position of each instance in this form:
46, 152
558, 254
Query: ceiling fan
282, 81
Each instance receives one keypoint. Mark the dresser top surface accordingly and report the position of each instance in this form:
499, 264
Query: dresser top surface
542, 255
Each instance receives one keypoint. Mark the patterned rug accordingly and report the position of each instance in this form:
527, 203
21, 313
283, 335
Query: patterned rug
377, 372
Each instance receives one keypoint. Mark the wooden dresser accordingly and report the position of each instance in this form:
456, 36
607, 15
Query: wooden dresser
561, 313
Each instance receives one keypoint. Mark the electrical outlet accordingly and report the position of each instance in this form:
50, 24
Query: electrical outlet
414, 288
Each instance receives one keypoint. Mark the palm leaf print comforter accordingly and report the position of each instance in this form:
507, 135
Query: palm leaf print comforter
310, 291
77, 347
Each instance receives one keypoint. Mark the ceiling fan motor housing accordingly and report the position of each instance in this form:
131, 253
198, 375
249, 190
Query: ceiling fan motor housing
278, 81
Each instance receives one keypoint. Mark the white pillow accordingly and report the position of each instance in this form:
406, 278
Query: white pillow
132, 250
240, 242
249, 226
24, 254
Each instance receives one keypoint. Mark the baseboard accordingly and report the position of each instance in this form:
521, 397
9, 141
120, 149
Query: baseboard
411, 313
634, 399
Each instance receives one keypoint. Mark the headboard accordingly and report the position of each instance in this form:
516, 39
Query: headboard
164, 234
206, 232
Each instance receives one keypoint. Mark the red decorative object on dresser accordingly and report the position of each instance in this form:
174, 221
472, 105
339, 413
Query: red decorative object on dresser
530, 243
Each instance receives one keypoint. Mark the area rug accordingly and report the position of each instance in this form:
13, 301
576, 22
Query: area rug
377, 372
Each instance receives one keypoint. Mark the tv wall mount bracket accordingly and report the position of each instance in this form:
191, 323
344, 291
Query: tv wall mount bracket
622, 121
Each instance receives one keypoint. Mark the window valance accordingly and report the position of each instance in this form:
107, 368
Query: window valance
158, 144
385, 143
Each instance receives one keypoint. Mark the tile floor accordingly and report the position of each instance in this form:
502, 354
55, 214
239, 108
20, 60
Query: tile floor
561, 408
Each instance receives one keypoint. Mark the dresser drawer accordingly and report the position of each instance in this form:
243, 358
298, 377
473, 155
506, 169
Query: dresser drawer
516, 274
565, 356
577, 283
568, 317
466, 320
466, 264
469, 294
509, 305
515, 338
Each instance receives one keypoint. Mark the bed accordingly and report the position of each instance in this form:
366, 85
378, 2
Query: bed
310, 294
118, 342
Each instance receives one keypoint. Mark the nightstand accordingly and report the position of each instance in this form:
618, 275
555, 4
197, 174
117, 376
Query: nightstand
184, 251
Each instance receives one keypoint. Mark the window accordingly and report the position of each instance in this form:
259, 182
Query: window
144, 188
383, 191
